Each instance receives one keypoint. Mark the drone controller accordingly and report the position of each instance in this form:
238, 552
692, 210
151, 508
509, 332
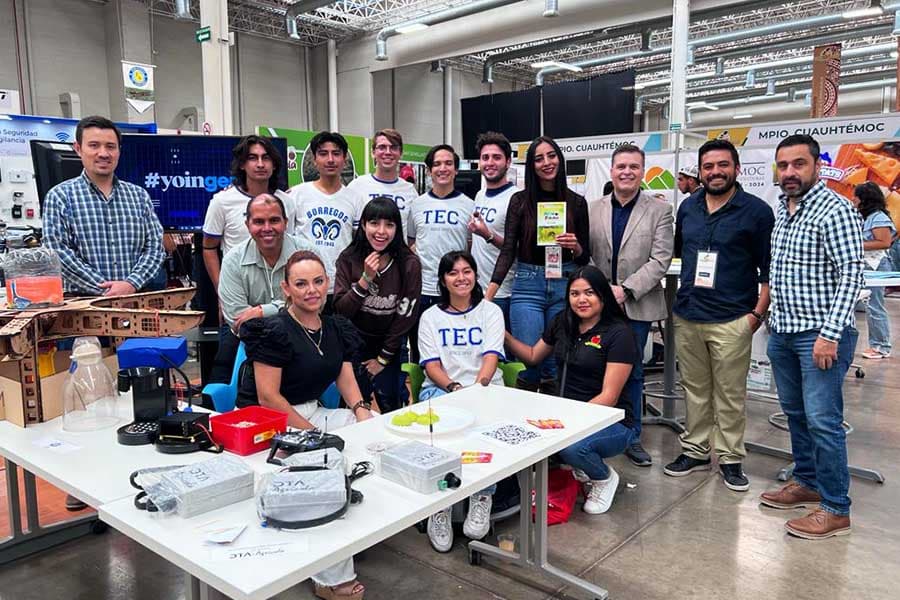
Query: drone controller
302, 441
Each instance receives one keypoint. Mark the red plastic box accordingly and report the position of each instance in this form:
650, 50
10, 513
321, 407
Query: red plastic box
248, 438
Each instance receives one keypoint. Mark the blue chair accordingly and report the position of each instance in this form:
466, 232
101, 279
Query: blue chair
224, 395
331, 398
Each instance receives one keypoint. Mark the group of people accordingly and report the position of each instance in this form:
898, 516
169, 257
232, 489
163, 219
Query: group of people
332, 284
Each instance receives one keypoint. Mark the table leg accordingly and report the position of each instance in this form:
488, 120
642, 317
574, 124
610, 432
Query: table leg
668, 393
22, 542
785, 474
194, 589
537, 558
523, 556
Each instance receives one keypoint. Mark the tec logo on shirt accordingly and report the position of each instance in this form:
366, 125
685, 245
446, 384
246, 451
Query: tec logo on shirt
440, 216
487, 214
461, 336
400, 201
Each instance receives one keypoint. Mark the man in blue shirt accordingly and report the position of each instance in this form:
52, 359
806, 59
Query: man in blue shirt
105, 231
722, 235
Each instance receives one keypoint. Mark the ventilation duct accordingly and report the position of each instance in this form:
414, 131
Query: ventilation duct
552, 8
295, 10
183, 9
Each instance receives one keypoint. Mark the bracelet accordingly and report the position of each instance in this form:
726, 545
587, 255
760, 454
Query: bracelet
489, 239
366, 277
453, 386
361, 403
382, 361
757, 316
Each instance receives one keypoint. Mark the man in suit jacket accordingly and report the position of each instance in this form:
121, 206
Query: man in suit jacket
632, 239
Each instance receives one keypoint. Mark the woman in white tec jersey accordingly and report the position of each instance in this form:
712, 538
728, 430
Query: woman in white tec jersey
461, 344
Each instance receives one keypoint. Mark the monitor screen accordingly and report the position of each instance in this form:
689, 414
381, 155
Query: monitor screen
181, 172
54, 162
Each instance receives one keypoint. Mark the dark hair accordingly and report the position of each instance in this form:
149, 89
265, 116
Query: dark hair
446, 265
392, 135
98, 122
628, 149
533, 183
323, 137
241, 153
379, 207
489, 138
608, 188
800, 139
611, 310
267, 199
300, 256
717, 145
871, 199
429, 158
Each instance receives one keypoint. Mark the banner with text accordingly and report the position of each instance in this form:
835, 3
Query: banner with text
603, 145
863, 128
659, 177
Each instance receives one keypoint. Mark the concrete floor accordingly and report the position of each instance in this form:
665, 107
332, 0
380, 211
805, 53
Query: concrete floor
689, 537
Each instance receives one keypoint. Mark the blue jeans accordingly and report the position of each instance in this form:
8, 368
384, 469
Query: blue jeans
389, 386
894, 254
503, 303
877, 319
588, 454
425, 302
812, 398
534, 302
635, 383
431, 392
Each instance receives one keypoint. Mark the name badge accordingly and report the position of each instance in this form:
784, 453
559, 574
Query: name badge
552, 262
705, 277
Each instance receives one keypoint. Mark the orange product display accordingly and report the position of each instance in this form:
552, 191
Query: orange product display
877, 162
36, 290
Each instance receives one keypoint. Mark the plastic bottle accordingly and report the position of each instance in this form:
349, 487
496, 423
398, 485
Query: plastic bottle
89, 394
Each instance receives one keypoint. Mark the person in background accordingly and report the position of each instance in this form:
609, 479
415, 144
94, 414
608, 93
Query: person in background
461, 344
387, 149
722, 235
632, 241
104, 230
326, 210
489, 218
592, 341
878, 234
379, 281
438, 224
297, 354
688, 179
536, 298
255, 170
815, 278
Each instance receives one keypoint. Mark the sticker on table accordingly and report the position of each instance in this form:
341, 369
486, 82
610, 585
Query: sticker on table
56, 445
266, 551
509, 434
469, 458
546, 423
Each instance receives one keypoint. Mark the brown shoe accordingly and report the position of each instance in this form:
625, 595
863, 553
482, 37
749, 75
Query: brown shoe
793, 495
818, 525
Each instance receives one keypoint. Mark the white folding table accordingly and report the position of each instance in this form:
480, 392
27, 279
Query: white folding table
388, 508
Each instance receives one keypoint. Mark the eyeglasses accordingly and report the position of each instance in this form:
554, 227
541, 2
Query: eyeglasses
386, 147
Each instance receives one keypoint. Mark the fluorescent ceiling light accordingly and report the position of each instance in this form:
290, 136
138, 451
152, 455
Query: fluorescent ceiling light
698, 105
410, 28
743, 116
544, 64
873, 10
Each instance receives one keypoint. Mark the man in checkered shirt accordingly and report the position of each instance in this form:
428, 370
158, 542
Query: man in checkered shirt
105, 231
815, 277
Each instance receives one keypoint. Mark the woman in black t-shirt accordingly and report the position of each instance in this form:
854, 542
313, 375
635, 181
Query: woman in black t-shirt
377, 285
594, 347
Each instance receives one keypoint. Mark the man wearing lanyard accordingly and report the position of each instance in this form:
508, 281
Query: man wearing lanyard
722, 235
816, 275
631, 242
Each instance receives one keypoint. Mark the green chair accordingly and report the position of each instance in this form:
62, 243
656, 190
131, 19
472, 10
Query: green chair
416, 375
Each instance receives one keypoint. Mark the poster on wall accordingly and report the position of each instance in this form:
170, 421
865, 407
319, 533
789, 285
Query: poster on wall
300, 165
9, 102
17, 131
137, 79
659, 177
601, 145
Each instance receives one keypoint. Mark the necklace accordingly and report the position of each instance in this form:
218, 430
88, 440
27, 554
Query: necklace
309, 336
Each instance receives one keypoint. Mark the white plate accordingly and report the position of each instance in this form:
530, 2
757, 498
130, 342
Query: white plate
453, 420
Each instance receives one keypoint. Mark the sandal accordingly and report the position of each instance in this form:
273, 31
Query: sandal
872, 353
346, 591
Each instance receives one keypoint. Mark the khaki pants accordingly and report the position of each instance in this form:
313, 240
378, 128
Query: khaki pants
714, 359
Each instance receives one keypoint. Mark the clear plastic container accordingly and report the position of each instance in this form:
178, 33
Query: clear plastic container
33, 278
90, 393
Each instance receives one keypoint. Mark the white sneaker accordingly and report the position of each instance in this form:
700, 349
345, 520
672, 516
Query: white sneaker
440, 531
602, 492
478, 521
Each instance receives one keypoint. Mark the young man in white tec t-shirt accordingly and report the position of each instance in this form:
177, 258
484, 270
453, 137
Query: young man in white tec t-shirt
489, 218
255, 170
438, 224
387, 148
326, 210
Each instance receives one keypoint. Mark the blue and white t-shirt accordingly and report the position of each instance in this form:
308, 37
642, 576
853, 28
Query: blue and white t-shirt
460, 340
492, 205
400, 191
326, 221
875, 220
438, 226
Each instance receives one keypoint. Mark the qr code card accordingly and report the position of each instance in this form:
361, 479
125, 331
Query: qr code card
509, 434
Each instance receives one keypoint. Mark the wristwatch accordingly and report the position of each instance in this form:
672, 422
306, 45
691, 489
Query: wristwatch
453, 386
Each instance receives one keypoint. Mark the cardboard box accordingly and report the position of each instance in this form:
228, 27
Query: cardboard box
12, 406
